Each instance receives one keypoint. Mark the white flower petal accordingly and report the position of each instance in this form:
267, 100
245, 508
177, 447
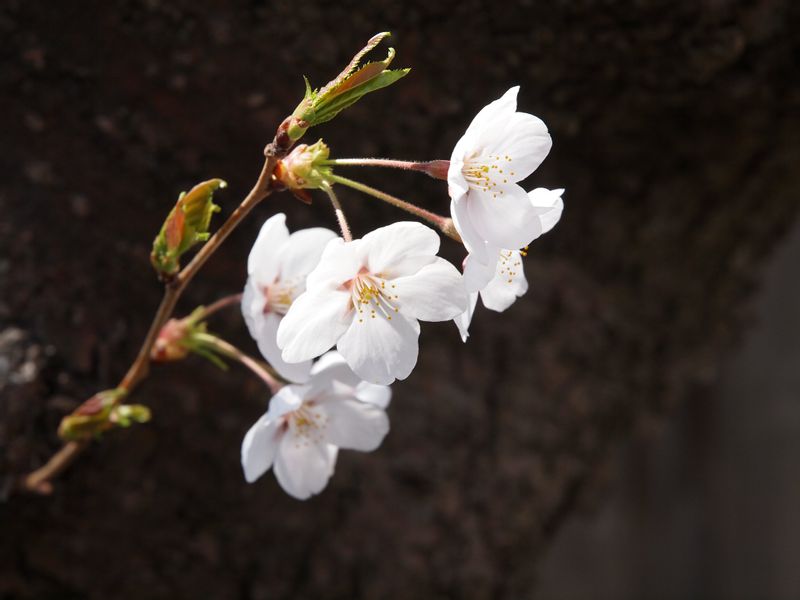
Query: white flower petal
253, 303
398, 249
463, 320
262, 263
457, 184
301, 252
303, 466
314, 322
478, 274
355, 425
259, 447
524, 139
508, 284
331, 367
494, 112
435, 293
264, 330
548, 205
379, 395
504, 220
339, 262
472, 240
485, 125
380, 350
289, 398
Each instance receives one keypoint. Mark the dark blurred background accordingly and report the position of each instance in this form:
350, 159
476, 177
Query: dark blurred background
629, 429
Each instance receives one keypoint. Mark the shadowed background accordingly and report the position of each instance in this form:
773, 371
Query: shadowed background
676, 133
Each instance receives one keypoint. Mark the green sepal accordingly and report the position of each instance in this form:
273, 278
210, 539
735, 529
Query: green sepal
186, 225
199, 341
210, 356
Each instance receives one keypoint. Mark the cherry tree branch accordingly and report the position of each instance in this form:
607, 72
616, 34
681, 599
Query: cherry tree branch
40, 480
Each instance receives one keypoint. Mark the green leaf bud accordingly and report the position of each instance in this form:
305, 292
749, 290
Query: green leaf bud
355, 81
186, 225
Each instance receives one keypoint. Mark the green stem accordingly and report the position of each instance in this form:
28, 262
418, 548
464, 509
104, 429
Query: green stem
437, 220
232, 352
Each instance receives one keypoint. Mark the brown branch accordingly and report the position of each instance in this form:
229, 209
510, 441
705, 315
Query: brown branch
40, 480
176, 286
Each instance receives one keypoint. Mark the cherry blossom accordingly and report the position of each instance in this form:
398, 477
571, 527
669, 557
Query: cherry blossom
367, 296
277, 269
500, 148
305, 425
501, 279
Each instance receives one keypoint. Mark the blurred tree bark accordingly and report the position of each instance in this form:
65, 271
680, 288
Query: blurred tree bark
676, 133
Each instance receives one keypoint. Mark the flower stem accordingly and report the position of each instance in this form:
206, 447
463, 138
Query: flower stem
437, 220
434, 168
218, 305
248, 361
337, 208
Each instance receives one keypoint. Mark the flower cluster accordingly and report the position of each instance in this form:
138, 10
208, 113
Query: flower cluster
337, 317
313, 290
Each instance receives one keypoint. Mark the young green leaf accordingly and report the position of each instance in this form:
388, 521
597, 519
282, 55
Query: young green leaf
186, 225
354, 82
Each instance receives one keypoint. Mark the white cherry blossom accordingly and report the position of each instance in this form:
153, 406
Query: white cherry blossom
277, 269
500, 147
501, 279
300, 434
367, 296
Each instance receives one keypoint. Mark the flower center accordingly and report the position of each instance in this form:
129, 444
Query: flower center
308, 423
371, 296
484, 173
510, 264
279, 296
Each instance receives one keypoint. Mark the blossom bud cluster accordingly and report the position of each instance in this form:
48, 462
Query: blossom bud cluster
339, 319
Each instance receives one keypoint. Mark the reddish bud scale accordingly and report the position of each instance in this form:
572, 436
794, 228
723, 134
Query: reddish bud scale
174, 229
169, 345
92, 406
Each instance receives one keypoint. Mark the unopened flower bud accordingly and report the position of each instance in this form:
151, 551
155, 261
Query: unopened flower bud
304, 168
171, 343
179, 337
